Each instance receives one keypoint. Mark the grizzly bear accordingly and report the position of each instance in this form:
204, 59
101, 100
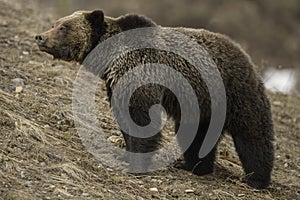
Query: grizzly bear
248, 113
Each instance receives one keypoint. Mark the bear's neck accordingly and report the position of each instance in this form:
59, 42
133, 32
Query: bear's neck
113, 26
133, 21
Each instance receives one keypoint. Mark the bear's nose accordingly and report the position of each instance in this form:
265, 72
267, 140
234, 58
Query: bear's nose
40, 38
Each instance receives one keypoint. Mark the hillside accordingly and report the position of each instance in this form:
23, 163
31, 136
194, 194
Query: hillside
41, 154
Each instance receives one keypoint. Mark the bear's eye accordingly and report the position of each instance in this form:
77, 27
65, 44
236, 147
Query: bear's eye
62, 28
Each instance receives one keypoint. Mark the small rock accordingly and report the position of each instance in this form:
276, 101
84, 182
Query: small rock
17, 38
51, 186
153, 189
4, 23
19, 89
25, 53
189, 191
18, 81
29, 182
286, 165
35, 63
46, 126
84, 194
156, 180
10, 88
110, 170
139, 198
139, 182
277, 103
115, 139
22, 174
241, 195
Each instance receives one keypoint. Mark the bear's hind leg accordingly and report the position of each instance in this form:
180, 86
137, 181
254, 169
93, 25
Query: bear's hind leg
251, 126
255, 151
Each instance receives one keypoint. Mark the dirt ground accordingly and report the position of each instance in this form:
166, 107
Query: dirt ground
41, 154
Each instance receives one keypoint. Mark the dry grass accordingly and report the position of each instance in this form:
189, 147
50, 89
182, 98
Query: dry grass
42, 157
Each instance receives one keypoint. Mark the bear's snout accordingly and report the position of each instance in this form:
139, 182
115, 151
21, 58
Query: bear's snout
41, 38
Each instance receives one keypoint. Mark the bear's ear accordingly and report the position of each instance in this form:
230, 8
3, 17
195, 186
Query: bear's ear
95, 17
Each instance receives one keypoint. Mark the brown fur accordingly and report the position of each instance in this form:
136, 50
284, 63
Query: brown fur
248, 117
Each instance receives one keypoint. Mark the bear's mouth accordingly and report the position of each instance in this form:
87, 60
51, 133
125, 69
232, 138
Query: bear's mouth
45, 48
57, 52
50, 50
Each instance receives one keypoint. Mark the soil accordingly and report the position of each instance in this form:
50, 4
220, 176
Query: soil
42, 156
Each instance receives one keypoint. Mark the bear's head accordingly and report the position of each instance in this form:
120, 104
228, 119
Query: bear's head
71, 38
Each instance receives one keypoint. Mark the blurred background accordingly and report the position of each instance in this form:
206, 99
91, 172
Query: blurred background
269, 30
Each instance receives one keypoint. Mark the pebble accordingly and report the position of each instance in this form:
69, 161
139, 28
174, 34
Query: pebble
156, 180
22, 174
84, 194
4, 23
46, 126
19, 89
189, 191
25, 53
10, 88
51, 186
277, 103
115, 139
109, 169
18, 81
17, 38
29, 182
153, 189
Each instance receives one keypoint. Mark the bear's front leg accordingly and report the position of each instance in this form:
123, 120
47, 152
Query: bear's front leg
139, 148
